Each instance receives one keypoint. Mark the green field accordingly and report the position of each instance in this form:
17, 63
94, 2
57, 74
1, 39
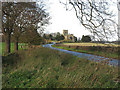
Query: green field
2, 47
46, 68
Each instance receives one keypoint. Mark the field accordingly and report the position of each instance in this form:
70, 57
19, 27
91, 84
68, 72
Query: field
2, 47
90, 44
46, 68
92, 48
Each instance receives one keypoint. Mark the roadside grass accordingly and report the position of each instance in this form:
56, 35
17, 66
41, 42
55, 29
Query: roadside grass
46, 68
99, 53
2, 47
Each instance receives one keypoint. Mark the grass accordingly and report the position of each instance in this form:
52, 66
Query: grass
2, 47
90, 44
46, 68
99, 53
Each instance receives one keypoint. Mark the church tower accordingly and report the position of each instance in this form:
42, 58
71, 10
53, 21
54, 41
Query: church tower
65, 34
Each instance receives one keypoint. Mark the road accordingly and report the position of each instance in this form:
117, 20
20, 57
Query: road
109, 61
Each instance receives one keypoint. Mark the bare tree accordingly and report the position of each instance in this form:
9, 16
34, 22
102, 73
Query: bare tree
96, 16
17, 16
35, 16
9, 15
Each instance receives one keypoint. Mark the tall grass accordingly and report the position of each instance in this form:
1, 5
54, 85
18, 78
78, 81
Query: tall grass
46, 68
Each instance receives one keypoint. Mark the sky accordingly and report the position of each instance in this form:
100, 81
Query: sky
65, 20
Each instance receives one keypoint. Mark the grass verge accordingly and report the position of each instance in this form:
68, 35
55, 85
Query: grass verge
46, 68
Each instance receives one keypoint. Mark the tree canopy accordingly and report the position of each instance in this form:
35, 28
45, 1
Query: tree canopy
86, 38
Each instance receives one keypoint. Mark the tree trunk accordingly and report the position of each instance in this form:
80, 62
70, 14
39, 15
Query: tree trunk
16, 45
7, 43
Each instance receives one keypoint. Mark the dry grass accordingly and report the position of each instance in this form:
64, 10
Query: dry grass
90, 44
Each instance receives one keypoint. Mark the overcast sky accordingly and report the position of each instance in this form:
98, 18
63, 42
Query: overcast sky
62, 19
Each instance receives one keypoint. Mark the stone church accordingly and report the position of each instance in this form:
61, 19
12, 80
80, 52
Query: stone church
68, 36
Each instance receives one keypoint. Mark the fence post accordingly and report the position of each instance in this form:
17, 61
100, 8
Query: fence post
77, 47
69, 46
